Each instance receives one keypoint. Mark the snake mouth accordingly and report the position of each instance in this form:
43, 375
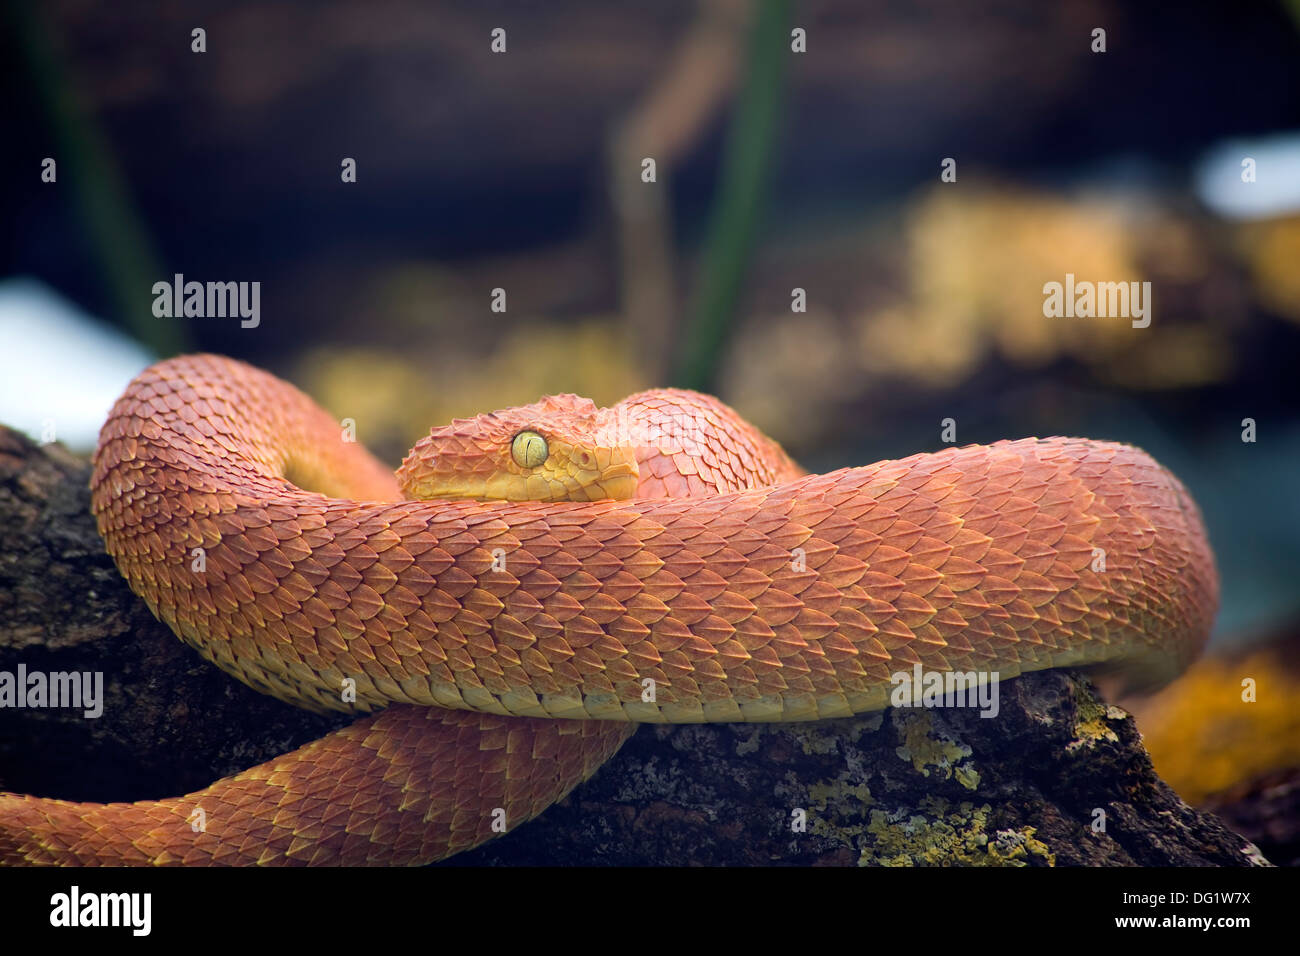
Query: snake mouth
617, 482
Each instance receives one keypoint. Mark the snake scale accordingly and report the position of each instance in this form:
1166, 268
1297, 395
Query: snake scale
557, 563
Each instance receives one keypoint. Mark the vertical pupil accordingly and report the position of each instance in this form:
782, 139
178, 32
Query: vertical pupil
528, 449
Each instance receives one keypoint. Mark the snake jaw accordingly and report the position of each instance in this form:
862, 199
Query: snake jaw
619, 482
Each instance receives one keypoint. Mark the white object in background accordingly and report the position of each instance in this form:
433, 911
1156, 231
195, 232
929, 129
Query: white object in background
1275, 186
60, 368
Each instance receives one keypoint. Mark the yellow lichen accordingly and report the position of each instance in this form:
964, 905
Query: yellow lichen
967, 776
941, 835
836, 793
1091, 724
926, 749
1011, 847
815, 739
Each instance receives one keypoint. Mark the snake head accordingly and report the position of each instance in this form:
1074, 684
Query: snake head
563, 448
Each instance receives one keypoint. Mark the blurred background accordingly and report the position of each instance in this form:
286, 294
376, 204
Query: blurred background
796, 146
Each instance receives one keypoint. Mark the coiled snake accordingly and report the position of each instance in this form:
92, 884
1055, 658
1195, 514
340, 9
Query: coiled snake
657, 561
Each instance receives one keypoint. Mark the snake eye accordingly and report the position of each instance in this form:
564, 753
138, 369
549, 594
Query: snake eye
528, 449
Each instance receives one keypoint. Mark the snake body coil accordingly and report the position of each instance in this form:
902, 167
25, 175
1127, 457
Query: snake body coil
498, 630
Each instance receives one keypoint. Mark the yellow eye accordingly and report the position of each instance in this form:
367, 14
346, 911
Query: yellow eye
528, 449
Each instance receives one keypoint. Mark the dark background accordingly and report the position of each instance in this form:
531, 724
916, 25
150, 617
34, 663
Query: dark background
479, 170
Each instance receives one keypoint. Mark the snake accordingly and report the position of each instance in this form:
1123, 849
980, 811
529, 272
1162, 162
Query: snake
535, 582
